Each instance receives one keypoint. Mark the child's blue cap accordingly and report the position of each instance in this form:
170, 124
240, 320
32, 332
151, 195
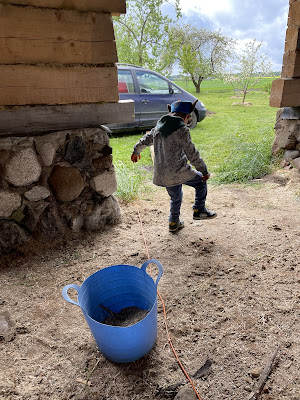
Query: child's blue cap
185, 107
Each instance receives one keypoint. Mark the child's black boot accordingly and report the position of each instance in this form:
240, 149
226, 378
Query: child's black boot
175, 226
204, 214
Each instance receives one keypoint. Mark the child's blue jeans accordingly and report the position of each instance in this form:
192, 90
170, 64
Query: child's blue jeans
175, 193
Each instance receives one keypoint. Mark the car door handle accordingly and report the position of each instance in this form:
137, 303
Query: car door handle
145, 101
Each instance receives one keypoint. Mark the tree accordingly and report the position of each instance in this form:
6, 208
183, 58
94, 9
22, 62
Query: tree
141, 33
251, 66
201, 53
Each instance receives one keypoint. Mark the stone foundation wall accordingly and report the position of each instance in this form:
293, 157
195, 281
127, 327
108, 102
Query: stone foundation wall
54, 183
287, 139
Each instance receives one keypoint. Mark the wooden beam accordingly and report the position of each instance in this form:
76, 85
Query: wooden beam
31, 120
292, 39
115, 7
291, 65
31, 35
285, 93
29, 84
294, 14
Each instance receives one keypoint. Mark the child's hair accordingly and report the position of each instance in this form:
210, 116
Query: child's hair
179, 114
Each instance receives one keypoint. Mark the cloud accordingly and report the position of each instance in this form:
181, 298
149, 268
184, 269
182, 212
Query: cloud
263, 20
208, 8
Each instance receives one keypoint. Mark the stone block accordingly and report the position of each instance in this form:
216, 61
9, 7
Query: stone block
75, 151
37, 193
297, 133
9, 202
66, 183
11, 236
291, 154
286, 135
56, 182
32, 214
99, 136
7, 327
296, 163
105, 183
103, 162
50, 225
186, 393
23, 168
18, 215
77, 223
46, 151
279, 114
4, 156
106, 212
106, 150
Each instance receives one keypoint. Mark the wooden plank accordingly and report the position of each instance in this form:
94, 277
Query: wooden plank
115, 7
285, 93
291, 65
29, 84
292, 39
28, 119
294, 14
31, 35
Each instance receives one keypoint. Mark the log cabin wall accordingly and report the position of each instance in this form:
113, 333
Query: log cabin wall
285, 94
56, 56
58, 79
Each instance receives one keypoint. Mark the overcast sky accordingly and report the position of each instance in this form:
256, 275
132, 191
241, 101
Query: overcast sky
263, 20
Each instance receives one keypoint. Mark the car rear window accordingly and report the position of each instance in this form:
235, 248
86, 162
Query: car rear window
125, 81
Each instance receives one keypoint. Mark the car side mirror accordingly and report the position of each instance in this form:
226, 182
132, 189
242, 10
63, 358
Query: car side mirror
171, 90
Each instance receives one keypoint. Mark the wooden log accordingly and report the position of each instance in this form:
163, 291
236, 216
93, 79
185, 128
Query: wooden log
32, 35
33, 120
115, 7
30, 84
291, 65
285, 93
292, 39
294, 14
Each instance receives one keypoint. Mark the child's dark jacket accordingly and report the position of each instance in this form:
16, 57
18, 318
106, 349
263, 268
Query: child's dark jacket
173, 148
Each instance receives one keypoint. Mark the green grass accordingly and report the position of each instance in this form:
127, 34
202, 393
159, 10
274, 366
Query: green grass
234, 140
131, 181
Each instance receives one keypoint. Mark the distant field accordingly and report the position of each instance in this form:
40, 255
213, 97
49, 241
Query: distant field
219, 85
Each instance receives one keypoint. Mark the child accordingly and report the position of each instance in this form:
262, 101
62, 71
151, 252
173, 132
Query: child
173, 148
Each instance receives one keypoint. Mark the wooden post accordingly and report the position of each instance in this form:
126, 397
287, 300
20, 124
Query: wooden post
286, 91
114, 7
56, 53
47, 36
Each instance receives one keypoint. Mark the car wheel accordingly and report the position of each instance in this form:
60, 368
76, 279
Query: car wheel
194, 121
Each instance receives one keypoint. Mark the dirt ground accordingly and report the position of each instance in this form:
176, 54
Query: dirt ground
230, 286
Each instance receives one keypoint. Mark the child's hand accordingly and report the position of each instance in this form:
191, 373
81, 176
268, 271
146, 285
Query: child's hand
135, 157
206, 177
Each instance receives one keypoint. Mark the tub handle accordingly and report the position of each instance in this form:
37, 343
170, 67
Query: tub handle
159, 266
65, 293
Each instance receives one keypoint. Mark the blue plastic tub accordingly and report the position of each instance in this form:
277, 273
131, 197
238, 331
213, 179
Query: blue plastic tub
117, 287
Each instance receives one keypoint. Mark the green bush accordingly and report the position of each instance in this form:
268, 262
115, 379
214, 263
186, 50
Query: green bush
267, 87
247, 161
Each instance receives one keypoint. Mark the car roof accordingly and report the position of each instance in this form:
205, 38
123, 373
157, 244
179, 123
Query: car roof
128, 65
